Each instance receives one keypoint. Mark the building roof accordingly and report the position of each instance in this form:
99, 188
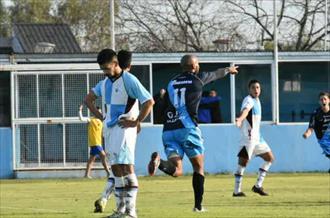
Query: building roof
58, 36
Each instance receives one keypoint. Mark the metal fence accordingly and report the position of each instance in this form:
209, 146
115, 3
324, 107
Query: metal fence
46, 128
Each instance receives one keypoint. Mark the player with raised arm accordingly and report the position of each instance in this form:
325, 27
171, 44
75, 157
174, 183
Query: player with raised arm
320, 123
181, 134
120, 92
252, 143
95, 142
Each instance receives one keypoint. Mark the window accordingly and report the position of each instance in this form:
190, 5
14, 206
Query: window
299, 86
5, 114
163, 73
143, 74
262, 73
222, 87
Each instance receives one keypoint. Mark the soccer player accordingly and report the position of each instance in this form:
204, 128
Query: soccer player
120, 91
124, 60
252, 143
320, 122
180, 133
95, 142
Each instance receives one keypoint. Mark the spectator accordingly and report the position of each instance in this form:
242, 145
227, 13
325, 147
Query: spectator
209, 108
159, 107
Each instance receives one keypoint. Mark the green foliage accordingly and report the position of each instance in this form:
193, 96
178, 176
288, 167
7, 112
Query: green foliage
89, 21
31, 11
269, 45
291, 195
4, 20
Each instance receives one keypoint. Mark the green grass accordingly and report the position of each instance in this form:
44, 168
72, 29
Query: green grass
291, 195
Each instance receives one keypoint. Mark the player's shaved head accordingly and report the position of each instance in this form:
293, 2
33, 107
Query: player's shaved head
189, 63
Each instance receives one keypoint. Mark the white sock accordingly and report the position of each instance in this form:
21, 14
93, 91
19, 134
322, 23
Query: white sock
120, 194
262, 173
109, 188
238, 179
131, 183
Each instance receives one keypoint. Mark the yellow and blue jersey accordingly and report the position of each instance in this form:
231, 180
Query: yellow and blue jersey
95, 132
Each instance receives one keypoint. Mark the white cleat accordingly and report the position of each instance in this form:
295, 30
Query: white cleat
202, 210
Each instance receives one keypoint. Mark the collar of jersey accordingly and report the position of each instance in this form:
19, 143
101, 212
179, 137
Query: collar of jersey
113, 79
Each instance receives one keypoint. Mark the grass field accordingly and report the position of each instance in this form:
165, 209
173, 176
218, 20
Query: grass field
291, 195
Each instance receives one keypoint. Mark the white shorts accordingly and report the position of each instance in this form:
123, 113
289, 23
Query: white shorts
120, 144
255, 149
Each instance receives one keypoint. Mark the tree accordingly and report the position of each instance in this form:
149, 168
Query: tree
89, 21
4, 21
300, 22
31, 11
171, 25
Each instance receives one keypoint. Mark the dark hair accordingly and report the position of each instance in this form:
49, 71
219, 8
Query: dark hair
124, 58
97, 107
253, 81
105, 56
324, 93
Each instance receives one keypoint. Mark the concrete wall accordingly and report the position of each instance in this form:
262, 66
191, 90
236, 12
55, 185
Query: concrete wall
292, 152
6, 153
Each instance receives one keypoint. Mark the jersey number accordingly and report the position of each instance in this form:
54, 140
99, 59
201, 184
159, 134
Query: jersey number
179, 97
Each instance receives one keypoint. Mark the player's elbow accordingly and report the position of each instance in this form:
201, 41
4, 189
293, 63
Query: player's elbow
149, 103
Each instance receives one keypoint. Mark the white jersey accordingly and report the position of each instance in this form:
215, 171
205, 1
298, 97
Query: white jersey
250, 130
119, 99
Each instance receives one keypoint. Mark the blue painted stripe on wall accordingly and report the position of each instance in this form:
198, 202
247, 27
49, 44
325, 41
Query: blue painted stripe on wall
292, 152
6, 154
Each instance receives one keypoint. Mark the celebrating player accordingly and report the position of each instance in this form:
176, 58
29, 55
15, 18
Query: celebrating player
180, 133
119, 91
320, 122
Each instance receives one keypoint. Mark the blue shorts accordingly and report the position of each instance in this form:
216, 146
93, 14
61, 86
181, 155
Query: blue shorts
95, 150
325, 142
183, 141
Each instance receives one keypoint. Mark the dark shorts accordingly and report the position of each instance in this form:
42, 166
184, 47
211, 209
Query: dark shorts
95, 150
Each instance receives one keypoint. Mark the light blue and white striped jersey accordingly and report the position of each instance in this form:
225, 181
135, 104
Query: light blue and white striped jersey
119, 97
250, 130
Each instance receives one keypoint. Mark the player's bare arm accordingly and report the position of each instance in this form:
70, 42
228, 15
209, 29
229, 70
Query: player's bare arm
224, 71
89, 101
307, 133
145, 110
242, 116
81, 117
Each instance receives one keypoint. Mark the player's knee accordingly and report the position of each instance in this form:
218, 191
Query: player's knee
178, 172
243, 162
270, 158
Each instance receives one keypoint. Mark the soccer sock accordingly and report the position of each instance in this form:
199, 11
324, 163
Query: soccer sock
167, 167
109, 188
131, 183
262, 173
120, 194
198, 185
238, 179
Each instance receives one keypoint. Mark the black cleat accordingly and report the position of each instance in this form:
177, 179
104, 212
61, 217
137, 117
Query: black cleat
239, 194
153, 164
260, 191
